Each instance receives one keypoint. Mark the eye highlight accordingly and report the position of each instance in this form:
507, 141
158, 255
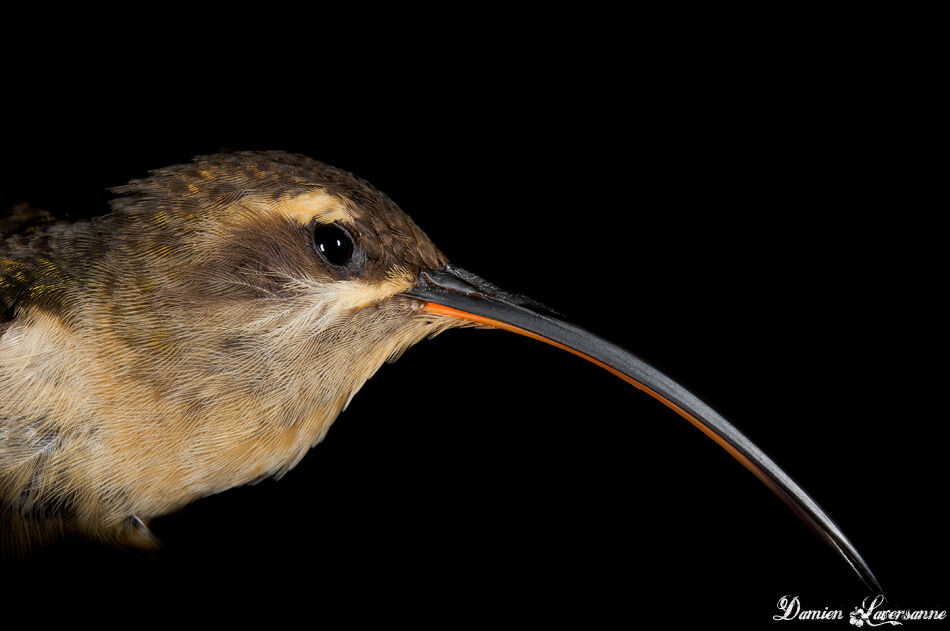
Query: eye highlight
333, 243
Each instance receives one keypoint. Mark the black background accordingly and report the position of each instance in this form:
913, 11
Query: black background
751, 211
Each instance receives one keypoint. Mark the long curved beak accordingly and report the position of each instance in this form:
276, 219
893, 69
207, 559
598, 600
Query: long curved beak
455, 292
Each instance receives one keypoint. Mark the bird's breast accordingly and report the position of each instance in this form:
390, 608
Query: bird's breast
84, 418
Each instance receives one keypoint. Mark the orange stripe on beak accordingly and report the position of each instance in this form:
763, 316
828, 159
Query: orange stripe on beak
432, 307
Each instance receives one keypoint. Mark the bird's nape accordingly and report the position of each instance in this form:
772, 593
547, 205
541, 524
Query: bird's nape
451, 291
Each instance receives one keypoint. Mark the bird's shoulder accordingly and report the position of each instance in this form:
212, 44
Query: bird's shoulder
28, 271
22, 218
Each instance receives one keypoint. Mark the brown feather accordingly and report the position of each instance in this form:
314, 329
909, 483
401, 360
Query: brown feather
191, 340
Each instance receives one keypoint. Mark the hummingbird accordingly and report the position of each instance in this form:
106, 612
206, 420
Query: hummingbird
208, 330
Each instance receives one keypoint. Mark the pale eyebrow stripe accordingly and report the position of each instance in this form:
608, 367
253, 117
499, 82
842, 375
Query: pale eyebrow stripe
317, 204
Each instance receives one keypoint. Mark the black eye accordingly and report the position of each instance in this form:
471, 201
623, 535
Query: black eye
333, 243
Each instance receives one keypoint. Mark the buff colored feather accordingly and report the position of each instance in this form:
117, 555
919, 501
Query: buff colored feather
191, 340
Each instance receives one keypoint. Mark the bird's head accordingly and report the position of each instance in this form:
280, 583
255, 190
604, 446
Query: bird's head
254, 290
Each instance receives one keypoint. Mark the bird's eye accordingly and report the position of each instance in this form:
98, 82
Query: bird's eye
333, 243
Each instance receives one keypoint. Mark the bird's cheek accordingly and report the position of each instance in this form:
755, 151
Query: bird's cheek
359, 294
